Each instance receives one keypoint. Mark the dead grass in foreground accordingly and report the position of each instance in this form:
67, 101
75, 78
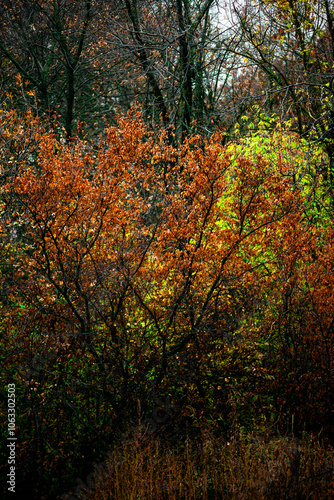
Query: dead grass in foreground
244, 468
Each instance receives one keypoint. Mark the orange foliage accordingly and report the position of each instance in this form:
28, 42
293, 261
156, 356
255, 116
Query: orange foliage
138, 267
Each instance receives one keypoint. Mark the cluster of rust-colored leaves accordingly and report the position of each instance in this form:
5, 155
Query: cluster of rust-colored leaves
136, 268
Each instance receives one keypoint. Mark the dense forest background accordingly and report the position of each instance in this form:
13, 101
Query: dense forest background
167, 247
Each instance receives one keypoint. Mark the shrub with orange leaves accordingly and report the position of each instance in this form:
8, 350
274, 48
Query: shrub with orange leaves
141, 269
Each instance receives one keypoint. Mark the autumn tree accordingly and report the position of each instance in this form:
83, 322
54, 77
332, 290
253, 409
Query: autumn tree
291, 45
293, 327
141, 269
153, 263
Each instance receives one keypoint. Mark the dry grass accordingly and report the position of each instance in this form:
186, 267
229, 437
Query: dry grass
246, 468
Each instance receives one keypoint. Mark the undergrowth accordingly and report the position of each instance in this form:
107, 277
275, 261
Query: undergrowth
245, 467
